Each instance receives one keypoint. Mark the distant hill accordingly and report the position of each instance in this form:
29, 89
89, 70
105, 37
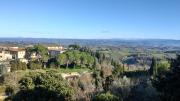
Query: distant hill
96, 42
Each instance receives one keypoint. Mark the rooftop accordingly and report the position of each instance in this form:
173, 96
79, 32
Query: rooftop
15, 50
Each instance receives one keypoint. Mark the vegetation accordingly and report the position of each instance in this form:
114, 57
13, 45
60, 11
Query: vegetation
118, 70
40, 50
168, 83
106, 97
153, 68
84, 74
18, 65
34, 65
158, 67
74, 46
43, 87
75, 58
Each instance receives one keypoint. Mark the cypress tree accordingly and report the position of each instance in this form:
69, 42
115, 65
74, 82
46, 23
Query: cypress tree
153, 68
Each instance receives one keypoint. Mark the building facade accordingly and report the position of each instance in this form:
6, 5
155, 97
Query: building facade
18, 53
54, 53
5, 55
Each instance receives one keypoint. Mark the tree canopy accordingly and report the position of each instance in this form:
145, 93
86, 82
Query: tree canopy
41, 50
43, 87
168, 83
75, 58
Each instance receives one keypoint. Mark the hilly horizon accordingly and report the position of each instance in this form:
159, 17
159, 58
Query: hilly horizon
98, 42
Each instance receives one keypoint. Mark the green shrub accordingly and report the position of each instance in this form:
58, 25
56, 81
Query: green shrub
44, 87
106, 97
34, 65
18, 65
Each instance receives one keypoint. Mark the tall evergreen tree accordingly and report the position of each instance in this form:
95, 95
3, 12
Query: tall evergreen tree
153, 68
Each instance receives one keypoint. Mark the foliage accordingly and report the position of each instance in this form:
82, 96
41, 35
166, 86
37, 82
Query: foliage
136, 74
41, 50
75, 58
153, 68
97, 78
118, 70
74, 46
43, 87
163, 66
106, 70
52, 63
34, 65
158, 67
9, 90
2, 69
168, 83
143, 91
122, 87
106, 97
11, 79
18, 65
26, 83
107, 83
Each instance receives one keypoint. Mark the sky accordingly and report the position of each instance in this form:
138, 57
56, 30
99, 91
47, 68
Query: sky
90, 19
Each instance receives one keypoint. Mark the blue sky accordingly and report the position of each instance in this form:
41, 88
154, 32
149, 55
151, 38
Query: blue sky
90, 18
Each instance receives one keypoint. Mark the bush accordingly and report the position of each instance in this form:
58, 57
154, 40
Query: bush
106, 97
163, 66
18, 65
44, 87
34, 65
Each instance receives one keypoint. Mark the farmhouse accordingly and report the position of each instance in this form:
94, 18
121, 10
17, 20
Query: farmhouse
54, 53
55, 50
5, 55
18, 53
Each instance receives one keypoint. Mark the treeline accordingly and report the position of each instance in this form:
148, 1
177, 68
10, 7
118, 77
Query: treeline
72, 59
